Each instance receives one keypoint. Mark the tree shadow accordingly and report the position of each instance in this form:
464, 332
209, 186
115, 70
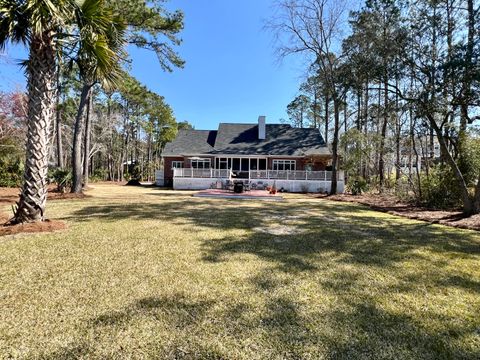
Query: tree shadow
461, 282
73, 351
382, 334
320, 235
295, 234
180, 310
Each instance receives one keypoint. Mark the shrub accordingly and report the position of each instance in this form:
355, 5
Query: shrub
357, 185
136, 173
11, 172
99, 175
440, 188
62, 178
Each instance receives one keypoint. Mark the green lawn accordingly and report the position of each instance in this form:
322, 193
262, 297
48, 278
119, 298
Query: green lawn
148, 273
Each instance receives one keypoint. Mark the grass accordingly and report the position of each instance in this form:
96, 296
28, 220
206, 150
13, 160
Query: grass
148, 273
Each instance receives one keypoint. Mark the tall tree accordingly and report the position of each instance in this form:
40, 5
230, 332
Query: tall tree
437, 93
153, 28
310, 27
100, 49
35, 23
378, 42
298, 111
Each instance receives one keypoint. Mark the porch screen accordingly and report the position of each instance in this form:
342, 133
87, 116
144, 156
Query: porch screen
262, 164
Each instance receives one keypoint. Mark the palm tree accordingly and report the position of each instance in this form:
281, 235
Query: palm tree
37, 24
100, 50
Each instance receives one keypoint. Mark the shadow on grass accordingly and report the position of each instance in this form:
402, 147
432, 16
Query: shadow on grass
322, 234
348, 231
178, 309
359, 330
380, 334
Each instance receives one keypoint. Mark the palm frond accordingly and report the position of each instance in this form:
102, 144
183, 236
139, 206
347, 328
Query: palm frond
102, 41
14, 23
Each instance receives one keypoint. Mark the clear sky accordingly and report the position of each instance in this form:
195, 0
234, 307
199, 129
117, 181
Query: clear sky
231, 72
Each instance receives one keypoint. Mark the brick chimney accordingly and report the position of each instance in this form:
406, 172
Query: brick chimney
262, 132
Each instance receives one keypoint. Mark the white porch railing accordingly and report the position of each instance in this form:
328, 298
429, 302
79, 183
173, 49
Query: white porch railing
258, 174
202, 173
293, 175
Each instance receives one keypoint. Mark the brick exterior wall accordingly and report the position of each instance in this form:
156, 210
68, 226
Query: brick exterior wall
167, 169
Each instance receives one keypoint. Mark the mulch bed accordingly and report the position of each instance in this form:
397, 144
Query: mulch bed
10, 196
391, 205
43, 226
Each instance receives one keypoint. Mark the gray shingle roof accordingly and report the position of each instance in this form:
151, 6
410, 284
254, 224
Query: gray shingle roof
242, 139
191, 142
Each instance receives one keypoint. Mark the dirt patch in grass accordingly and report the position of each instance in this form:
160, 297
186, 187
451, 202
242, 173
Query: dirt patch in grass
391, 205
44, 226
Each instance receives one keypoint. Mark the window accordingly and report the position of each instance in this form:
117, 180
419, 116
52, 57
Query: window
200, 163
283, 164
177, 164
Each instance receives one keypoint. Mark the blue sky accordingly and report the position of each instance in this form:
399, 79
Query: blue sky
231, 72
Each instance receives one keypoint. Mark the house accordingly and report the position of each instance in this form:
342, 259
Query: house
427, 152
292, 158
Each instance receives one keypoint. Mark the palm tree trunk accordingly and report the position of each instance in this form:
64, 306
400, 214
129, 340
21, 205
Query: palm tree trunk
77, 170
41, 71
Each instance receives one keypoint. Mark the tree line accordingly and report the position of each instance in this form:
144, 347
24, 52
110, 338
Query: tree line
394, 89
105, 122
